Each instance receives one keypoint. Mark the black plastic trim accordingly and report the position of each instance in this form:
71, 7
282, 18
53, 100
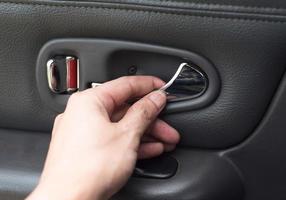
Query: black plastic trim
162, 167
200, 174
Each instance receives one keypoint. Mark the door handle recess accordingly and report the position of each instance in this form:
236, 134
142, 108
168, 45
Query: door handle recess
100, 60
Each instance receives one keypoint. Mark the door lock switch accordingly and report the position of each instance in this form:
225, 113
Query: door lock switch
62, 72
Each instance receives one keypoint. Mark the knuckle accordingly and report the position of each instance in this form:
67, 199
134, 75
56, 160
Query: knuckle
79, 98
144, 109
132, 79
154, 106
129, 131
74, 97
84, 101
57, 122
126, 128
58, 118
151, 105
124, 78
130, 82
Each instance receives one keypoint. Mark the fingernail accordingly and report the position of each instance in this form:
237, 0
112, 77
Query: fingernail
158, 98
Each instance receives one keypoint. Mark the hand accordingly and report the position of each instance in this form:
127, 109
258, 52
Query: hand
97, 140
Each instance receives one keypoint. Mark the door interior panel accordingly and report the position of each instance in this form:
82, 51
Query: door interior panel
231, 145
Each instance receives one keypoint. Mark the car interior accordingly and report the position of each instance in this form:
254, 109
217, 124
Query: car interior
227, 96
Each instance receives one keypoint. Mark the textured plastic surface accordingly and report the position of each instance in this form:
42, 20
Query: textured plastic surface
200, 175
261, 158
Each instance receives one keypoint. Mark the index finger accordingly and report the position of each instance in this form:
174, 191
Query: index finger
116, 92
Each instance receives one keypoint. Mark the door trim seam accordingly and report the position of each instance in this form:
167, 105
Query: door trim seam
202, 14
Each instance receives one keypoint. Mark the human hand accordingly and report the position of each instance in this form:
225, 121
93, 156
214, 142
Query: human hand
97, 140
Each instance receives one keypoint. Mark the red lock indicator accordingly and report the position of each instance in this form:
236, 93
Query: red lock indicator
72, 74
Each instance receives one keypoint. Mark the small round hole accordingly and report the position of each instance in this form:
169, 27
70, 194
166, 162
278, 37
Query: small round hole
132, 70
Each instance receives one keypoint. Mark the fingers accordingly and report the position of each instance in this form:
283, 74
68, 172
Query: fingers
142, 113
149, 139
114, 93
164, 132
153, 149
159, 131
150, 150
169, 147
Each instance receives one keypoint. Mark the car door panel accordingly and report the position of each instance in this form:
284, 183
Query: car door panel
243, 40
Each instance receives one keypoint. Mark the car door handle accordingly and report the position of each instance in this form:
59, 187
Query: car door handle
196, 85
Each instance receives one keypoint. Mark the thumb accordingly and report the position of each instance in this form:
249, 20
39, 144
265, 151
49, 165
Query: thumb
142, 113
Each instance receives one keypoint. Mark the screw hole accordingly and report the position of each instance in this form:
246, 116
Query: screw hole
132, 70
